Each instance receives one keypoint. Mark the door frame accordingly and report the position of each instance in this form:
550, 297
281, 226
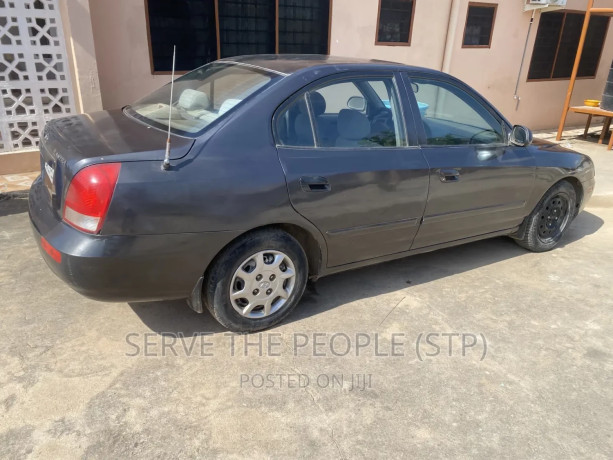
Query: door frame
406, 123
502, 146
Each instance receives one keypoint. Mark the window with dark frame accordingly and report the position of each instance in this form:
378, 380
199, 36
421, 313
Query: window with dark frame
479, 28
395, 22
206, 30
246, 27
304, 26
557, 41
188, 24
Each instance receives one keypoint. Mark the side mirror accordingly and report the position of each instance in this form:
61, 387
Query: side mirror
520, 136
356, 103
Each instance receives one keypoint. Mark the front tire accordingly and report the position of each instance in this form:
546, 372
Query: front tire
257, 281
550, 218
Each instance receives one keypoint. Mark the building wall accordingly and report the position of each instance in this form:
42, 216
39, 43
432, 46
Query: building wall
59, 87
541, 103
77, 24
493, 72
122, 53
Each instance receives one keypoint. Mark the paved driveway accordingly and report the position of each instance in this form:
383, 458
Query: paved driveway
483, 350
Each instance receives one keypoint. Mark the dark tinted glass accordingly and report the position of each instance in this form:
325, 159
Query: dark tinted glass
188, 24
594, 41
557, 41
395, 21
569, 42
246, 27
479, 25
545, 46
304, 26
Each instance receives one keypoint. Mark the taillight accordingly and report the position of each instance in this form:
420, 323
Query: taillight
89, 196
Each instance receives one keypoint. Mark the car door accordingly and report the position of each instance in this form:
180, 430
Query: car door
479, 183
349, 166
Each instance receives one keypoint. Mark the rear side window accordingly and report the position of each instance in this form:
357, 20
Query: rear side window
294, 127
337, 96
345, 113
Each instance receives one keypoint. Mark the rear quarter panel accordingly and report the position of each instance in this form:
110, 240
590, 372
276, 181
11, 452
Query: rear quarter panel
231, 181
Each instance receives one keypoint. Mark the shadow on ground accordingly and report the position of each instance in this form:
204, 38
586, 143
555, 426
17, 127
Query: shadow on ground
173, 317
13, 203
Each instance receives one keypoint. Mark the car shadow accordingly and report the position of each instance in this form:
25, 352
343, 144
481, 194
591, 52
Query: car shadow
174, 317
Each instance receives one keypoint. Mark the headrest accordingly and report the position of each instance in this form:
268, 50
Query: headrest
353, 125
227, 105
318, 103
191, 99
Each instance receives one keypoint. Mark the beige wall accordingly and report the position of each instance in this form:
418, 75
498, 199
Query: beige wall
122, 52
492, 72
541, 103
77, 24
354, 25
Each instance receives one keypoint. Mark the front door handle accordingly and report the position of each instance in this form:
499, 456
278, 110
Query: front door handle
449, 175
314, 184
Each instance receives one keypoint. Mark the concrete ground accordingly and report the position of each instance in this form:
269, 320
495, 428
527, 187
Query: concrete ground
530, 374
16, 182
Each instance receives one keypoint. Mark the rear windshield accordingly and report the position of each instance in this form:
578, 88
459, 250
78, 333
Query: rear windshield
202, 96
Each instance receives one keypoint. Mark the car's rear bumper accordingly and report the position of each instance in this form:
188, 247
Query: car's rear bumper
121, 267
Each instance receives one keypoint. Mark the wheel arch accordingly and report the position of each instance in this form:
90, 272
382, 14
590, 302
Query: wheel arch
578, 190
313, 246
576, 184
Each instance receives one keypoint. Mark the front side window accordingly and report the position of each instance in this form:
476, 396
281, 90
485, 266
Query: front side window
394, 26
451, 116
557, 41
357, 112
201, 97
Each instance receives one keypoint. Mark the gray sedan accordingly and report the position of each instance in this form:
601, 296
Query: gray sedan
283, 169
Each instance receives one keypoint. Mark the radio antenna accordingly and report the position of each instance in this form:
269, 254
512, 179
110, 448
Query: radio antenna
166, 163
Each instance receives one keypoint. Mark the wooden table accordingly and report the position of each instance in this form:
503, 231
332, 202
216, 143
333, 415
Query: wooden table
598, 112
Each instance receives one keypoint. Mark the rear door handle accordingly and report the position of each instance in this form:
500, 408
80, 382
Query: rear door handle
314, 184
449, 175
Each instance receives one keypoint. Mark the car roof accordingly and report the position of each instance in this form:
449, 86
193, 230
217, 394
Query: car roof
290, 63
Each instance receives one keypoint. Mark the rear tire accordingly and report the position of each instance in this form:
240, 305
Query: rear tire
550, 218
257, 281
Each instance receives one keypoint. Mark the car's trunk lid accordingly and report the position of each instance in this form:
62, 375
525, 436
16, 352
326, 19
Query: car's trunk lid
71, 143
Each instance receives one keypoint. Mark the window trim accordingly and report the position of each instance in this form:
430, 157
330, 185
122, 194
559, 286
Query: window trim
218, 35
565, 12
482, 5
504, 123
280, 110
408, 42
